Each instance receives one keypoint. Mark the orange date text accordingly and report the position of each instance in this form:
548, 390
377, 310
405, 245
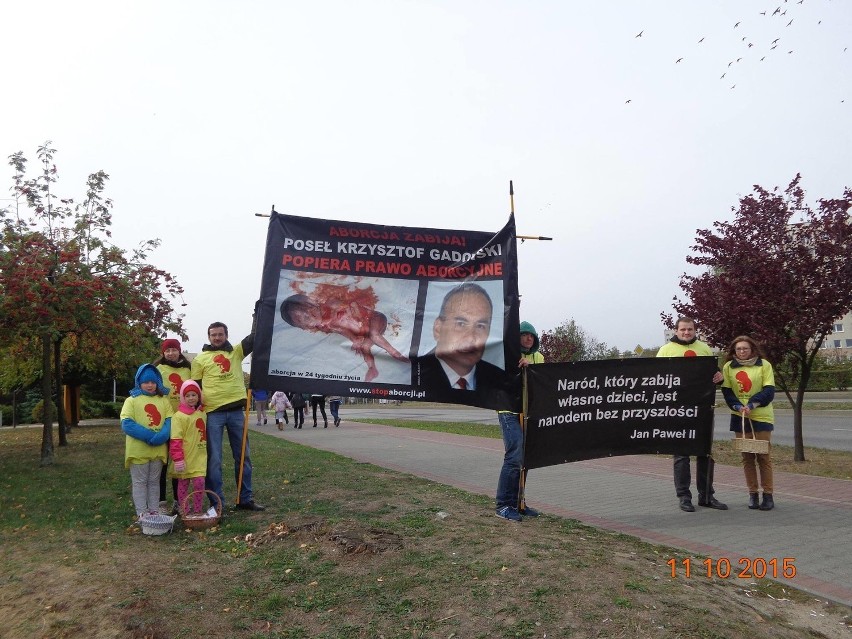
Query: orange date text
742, 568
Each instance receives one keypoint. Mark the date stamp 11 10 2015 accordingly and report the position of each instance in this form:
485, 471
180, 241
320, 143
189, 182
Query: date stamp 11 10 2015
742, 568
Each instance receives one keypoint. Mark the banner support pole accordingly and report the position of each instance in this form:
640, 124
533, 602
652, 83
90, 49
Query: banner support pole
243, 450
522, 418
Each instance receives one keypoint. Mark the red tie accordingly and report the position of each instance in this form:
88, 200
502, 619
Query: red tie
462, 383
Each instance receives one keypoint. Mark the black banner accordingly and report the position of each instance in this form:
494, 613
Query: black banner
364, 310
587, 410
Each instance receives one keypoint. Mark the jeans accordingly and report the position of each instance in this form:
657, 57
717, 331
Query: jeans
334, 407
217, 423
508, 486
703, 472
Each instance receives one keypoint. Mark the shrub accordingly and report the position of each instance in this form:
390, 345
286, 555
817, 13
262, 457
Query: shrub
38, 413
95, 409
6, 412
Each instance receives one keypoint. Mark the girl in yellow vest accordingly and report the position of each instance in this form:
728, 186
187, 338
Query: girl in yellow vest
146, 420
188, 448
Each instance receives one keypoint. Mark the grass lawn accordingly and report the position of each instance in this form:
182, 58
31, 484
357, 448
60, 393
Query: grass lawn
343, 550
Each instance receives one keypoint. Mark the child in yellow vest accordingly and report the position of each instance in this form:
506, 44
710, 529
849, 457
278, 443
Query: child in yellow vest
188, 448
146, 420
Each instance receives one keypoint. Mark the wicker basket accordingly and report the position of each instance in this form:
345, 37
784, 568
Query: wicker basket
750, 444
201, 522
156, 523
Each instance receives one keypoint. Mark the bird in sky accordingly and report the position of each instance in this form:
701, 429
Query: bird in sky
775, 40
791, 21
763, 13
678, 60
738, 59
701, 40
639, 35
723, 75
743, 40
790, 51
763, 58
778, 10
736, 25
734, 87
775, 47
627, 101
750, 45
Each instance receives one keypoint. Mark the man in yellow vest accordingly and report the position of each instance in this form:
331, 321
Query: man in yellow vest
218, 370
685, 343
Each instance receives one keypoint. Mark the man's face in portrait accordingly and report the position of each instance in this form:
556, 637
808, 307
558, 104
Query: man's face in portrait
462, 332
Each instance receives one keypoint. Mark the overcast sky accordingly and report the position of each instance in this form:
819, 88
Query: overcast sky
418, 113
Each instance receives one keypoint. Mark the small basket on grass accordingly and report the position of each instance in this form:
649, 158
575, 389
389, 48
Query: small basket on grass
201, 521
750, 444
156, 523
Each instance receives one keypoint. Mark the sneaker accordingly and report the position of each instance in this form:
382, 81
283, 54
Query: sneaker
507, 512
526, 511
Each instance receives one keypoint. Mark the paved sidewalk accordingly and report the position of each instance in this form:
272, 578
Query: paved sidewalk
811, 523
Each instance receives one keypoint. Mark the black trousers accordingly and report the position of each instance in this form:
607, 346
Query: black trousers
318, 402
703, 476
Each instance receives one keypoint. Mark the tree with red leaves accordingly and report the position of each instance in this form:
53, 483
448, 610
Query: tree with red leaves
63, 284
781, 272
570, 342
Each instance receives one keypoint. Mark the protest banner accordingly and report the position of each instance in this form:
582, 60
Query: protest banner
355, 309
587, 410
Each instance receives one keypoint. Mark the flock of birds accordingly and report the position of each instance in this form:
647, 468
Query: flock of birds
779, 12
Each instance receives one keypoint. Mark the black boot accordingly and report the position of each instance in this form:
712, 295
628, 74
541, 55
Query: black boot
326, 424
753, 502
686, 505
767, 504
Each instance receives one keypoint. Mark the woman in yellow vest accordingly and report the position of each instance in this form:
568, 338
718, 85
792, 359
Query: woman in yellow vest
175, 369
749, 388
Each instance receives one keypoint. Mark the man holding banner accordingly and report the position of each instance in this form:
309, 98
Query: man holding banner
218, 370
508, 486
685, 343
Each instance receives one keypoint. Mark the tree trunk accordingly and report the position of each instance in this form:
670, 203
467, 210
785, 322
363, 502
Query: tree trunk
74, 403
60, 405
46, 387
798, 439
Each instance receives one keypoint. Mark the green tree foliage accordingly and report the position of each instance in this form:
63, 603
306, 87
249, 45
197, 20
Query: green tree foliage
781, 272
62, 282
570, 342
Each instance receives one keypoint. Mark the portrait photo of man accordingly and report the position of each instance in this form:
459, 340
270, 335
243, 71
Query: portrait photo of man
461, 334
